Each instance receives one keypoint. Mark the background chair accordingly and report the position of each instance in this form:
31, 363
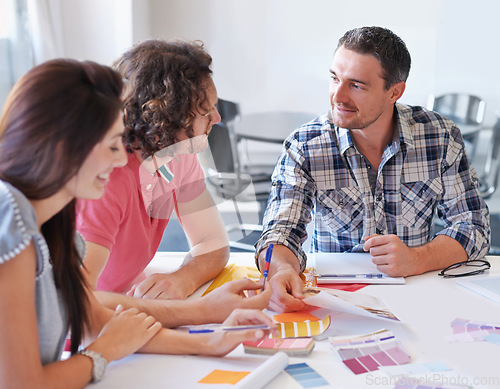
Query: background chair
466, 110
233, 181
488, 181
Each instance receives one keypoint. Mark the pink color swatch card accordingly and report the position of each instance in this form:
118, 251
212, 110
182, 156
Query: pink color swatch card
291, 346
365, 353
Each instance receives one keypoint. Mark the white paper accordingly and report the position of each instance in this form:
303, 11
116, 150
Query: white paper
265, 372
486, 286
350, 268
356, 303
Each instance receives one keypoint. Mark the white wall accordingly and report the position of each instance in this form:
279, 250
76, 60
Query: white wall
468, 54
275, 54
100, 30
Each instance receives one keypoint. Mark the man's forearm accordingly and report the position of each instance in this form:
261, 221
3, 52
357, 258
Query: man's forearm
441, 252
171, 313
195, 271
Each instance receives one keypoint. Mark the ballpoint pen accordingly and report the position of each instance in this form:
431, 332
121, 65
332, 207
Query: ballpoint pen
375, 275
269, 254
207, 329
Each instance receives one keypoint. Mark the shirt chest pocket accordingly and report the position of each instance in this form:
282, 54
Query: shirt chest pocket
418, 201
342, 208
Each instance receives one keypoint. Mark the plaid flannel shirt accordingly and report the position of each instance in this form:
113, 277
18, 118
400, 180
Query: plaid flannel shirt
320, 175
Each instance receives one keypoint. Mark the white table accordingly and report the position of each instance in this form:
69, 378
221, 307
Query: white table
427, 303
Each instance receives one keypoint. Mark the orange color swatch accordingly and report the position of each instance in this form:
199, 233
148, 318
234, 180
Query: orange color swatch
224, 377
294, 316
304, 329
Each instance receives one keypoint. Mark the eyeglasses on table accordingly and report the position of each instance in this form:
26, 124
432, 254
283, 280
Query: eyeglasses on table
465, 268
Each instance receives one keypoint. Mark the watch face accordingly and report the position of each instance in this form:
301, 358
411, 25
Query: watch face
99, 368
99, 364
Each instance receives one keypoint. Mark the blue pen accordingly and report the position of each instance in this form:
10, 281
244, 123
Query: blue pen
269, 254
376, 275
203, 330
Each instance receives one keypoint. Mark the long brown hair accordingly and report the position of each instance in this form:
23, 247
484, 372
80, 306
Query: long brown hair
51, 121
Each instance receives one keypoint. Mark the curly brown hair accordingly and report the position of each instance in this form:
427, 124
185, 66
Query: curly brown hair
165, 87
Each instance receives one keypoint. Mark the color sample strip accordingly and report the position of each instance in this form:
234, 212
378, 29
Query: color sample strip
223, 377
233, 272
305, 375
361, 339
293, 346
473, 336
472, 331
463, 325
493, 338
290, 317
304, 329
369, 352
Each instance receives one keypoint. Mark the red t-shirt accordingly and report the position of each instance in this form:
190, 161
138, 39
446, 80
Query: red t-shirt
132, 215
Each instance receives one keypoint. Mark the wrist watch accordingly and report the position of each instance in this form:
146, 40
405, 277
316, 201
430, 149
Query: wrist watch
99, 363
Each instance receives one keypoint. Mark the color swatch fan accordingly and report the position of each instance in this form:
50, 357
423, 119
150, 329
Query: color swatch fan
303, 329
365, 353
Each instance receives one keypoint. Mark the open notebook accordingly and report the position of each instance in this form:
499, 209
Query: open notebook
335, 268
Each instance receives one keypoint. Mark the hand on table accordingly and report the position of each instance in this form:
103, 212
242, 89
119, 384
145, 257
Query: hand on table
126, 332
391, 255
160, 286
223, 342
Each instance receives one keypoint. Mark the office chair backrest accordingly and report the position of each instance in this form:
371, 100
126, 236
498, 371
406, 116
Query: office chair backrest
229, 111
223, 157
221, 146
488, 182
460, 107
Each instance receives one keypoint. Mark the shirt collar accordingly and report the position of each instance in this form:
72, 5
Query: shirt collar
403, 125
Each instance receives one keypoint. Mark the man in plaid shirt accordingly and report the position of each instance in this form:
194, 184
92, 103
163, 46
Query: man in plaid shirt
370, 174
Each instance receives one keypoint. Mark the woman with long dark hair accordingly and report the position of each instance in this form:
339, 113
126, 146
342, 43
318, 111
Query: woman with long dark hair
61, 136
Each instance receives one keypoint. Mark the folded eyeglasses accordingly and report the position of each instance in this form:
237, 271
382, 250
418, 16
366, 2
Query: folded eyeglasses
465, 268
